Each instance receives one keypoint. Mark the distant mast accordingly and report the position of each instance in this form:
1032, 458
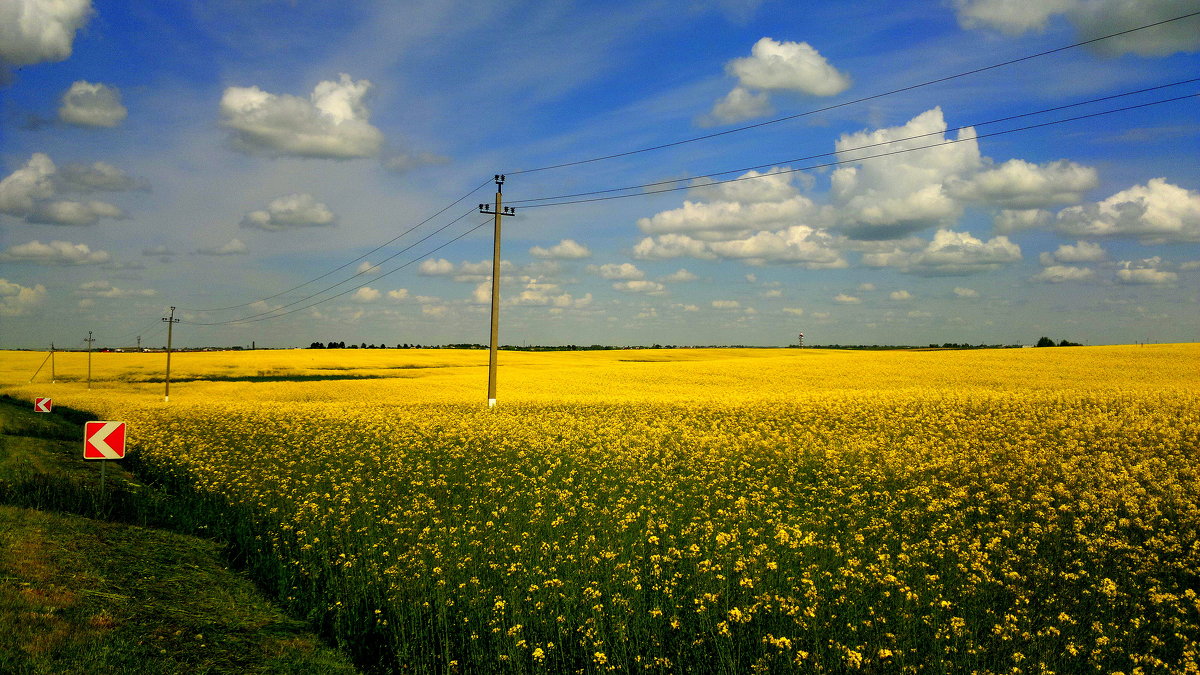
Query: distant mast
802, 341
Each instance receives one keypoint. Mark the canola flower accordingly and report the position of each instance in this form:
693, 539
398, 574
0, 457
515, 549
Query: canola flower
707, 510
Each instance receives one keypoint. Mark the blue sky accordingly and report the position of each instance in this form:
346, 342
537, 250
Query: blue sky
217, 154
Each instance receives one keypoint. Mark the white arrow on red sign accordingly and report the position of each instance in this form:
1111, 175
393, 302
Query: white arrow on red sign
104, 440
41, 404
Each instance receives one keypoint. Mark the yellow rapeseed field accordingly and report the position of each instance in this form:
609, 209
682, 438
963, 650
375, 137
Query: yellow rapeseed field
1025, 510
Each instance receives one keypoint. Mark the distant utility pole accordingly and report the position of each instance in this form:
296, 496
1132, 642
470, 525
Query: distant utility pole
498, 212
139, 343
171, 321
50, 358
89, 340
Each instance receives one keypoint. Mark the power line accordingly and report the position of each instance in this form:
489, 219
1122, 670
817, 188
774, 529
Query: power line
848, 103
859, 159
1009, 118
386, 243
329, 288
256, 318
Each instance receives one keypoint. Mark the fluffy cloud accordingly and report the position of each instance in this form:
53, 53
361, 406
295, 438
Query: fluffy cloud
39, 31
1092, 19
1145, 272
726, 219
567, 249
726, 304
398, 294
669, 246
434, 268
739, 104
72, 213
97, 177
847, 299
1157, 212
104, 289
365, 267
1082, 251
231, 247
679, 275
1057, 274
624, 271
289, 212
950, 254
796, 244
900, 295
787, 66
331, 123
892, 196
775, 66
366, 294
88, 104
1008, 221
31, 192
54, 253
16, 300
1017, 184
965, 292
640, 286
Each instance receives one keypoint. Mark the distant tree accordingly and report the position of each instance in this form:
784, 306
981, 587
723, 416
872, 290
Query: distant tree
1045, 342
317, 345
1066, 343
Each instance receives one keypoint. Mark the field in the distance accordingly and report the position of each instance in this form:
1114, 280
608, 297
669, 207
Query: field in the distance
693, 510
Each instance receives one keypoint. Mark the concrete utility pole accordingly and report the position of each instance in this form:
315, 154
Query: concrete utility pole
53, 379
171, 321
498, 212
90, 340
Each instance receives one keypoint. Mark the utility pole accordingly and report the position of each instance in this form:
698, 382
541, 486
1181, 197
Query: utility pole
90, 340
498, 212
171, 321
53, 379
139, 343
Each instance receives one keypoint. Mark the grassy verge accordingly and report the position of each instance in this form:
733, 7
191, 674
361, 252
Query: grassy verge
81, 595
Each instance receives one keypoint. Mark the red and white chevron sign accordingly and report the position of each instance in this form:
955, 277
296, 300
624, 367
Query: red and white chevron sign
41, 404
104, 440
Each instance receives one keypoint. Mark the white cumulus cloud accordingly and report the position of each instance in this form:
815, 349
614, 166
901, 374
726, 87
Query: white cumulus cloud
366, 294
33, 192
567, 249
231, 247
775, 66
1081, 251
289, 212
333, 122
91, 104
54, 253
892, 196
40, 31
1092, 19
1017, 184
640, 286
950, 253
17, 300
1145, 272
1057, 274
623, 271
1155, 213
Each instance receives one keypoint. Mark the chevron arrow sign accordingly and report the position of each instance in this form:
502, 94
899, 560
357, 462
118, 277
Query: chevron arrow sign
41, 404
104, 440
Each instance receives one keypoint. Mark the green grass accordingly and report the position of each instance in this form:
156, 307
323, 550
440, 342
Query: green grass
81, 595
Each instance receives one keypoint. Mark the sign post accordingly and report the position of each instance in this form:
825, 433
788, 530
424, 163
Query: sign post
103, 440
